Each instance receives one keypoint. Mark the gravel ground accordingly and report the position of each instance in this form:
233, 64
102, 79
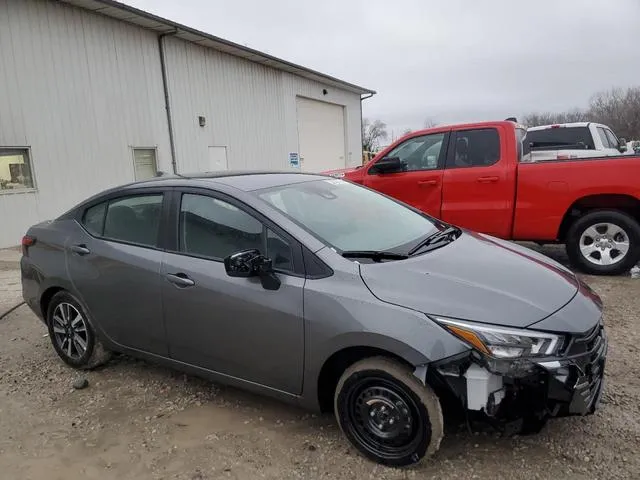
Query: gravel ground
137, 420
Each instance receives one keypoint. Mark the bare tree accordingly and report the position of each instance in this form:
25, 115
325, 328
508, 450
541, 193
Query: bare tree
617, 108
547, 118
372, 133
430, 123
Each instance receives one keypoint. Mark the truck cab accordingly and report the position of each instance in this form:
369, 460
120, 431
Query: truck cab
479, 176
463, 175
571, 140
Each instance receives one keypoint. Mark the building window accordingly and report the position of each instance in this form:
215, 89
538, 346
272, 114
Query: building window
144, 162
15, 170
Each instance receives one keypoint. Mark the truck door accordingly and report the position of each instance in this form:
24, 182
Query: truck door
419, 184
478, 186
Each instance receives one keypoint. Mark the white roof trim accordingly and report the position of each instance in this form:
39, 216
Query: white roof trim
126, 13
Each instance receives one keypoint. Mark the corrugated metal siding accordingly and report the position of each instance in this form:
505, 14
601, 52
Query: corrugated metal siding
79, 90
249, 108
242, 103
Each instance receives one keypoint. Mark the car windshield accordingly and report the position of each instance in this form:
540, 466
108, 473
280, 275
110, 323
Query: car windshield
349, 217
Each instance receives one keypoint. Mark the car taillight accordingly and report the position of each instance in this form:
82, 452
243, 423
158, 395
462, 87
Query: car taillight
27, 241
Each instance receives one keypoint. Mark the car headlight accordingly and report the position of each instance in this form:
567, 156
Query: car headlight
502, 342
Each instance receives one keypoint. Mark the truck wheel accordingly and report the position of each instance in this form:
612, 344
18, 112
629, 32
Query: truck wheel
387, 413
604, 242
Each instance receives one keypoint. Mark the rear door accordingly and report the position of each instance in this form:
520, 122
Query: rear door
479, 187
420, 185
114, 262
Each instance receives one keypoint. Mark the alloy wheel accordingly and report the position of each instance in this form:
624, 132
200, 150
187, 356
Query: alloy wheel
604, 244
70, 330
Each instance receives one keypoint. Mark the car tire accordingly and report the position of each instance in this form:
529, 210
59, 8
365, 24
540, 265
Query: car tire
611, 227
387, 413
72, 335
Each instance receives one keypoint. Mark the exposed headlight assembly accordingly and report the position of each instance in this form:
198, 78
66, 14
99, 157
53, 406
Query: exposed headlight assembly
502, 342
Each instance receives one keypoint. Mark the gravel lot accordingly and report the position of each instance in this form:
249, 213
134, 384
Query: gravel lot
136, 420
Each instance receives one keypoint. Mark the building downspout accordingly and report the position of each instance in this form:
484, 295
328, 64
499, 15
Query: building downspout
361, 120
167, 104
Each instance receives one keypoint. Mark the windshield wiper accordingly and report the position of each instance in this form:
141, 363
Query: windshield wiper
449, 234
374, 255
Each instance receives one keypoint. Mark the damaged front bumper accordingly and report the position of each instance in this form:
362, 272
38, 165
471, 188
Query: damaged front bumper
510, 391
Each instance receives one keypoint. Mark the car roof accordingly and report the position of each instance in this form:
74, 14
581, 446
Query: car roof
246, 180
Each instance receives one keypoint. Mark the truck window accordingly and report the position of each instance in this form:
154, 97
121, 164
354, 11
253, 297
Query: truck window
603, 137
613, 140
474, 148
561, 138
420, 153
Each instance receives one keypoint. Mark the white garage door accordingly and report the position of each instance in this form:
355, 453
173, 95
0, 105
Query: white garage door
320, 135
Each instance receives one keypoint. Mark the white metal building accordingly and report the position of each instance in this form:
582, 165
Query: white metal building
94, 93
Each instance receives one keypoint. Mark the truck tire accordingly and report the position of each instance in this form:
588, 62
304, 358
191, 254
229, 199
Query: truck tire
604, 242
388, 414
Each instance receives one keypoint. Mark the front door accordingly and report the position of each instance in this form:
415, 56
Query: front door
232, 326
479, 188
420, 185
114, 262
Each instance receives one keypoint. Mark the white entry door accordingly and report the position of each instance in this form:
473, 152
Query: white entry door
217, 159
320, 135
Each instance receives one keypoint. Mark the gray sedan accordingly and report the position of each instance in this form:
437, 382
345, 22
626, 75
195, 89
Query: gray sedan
324, 294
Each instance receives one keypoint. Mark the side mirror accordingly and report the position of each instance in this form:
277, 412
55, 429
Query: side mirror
388, 165
242, 264
622, 145
251, 263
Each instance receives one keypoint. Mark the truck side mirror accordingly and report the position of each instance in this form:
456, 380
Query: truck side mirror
388, 165
622, 145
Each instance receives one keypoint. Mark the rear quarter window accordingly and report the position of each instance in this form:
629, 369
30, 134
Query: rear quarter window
93, 218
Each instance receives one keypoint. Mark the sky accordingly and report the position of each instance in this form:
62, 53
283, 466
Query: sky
442, 61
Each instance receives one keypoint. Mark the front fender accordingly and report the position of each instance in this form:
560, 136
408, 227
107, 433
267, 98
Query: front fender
341, 315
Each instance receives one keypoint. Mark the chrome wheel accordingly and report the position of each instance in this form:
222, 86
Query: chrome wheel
604, 244
70, 330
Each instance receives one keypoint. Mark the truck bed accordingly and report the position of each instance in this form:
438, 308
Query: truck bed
547, 190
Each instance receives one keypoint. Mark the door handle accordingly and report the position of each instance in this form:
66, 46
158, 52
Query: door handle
180, 280
80, 249
428, 183
492, 179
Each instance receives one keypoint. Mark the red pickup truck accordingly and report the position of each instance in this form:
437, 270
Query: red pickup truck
471, 176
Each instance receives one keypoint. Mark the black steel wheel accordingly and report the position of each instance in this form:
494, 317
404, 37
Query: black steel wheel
72, 335
387, 413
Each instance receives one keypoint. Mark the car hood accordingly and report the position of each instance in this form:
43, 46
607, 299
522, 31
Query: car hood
477, 278
342, 172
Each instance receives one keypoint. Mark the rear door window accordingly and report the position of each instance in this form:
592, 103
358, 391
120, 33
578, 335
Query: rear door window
474, 148
134, 219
